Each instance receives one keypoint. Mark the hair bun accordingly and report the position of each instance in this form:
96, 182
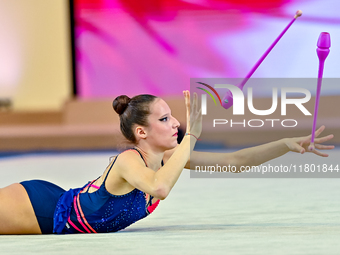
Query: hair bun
120, 104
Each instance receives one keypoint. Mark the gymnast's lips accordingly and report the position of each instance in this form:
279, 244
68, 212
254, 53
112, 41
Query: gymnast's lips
175, 134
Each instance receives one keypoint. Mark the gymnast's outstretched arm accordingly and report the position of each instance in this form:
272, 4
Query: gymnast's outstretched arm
257, 155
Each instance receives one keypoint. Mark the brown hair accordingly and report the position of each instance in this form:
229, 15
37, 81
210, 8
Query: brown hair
132, 111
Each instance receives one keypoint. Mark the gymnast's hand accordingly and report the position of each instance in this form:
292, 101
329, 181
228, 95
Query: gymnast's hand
301, 144
194, 115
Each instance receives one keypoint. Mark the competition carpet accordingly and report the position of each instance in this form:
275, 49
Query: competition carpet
200, 216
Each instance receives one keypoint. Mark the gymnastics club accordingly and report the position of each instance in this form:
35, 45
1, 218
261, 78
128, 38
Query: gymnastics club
323, 44
227, 101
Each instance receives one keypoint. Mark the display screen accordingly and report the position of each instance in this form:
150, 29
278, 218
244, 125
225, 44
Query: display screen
156, 46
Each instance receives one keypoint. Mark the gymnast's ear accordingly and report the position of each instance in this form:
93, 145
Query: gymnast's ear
140, 132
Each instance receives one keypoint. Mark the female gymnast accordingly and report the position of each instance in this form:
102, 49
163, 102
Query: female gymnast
136, 179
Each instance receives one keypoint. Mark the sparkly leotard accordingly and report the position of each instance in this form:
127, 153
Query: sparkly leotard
100, 211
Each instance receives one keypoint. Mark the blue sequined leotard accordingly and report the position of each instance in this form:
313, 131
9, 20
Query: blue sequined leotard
100, 211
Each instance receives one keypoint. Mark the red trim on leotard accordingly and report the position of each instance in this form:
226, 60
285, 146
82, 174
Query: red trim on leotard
152, 207
80, 214
95, 186
83, 216
73, 225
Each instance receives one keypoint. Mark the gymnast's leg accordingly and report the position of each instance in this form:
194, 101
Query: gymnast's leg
16, 212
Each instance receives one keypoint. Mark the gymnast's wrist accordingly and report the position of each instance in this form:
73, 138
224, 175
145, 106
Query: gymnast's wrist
192, 135
286, 143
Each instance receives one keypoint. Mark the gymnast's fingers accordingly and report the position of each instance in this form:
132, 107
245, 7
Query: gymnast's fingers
319, 131
324, 139
194, 104
320, 153
324, 147
187, 105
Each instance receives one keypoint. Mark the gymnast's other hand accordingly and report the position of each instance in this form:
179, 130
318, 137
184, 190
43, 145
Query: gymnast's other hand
193, 114
301, 144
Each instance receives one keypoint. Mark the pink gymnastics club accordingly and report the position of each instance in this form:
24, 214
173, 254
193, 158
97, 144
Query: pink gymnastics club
323, 44
227, 101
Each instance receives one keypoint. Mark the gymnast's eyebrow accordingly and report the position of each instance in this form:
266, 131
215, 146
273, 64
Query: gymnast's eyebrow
165, 115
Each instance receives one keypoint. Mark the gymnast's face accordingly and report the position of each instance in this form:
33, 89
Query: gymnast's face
163, 127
